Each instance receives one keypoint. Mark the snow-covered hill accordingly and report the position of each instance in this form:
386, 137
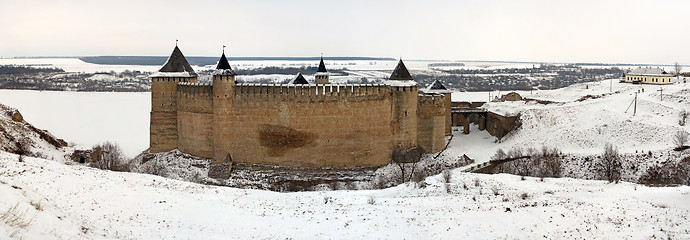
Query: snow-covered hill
19, 136
57, 201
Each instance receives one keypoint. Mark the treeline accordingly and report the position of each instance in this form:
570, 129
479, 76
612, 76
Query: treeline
20, 69
202, 61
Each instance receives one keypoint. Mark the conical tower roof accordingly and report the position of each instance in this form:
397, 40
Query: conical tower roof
177, 63
322, 67
299, 79
436, 87
223, 67
400, 72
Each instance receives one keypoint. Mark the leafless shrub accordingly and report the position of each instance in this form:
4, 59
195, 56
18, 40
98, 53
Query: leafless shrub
447, 174
476, 182
524, 196
680, 139
549, 163
609, 165
667, 173
14, 217
109, 156
37, 205
448, 188
499, 155
682, 117
371, 200
496, 190
515, 153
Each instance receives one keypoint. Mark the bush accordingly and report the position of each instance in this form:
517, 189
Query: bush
447, 174
680, 139
109, 156
609, 166
682, 117
371, 200
667, 173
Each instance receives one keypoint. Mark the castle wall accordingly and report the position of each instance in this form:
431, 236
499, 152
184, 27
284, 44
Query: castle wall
163, 128
404, 117
449, 119
310, 126
498, 125
431, 122
195, 119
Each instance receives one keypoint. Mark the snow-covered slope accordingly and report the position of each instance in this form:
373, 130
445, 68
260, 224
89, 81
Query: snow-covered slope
19, 136
585, 117
61, 201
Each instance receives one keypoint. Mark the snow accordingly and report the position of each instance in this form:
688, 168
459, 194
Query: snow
78, 202
400, 83
75, 65
172, 74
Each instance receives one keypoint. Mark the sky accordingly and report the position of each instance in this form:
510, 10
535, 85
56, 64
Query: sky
630, 31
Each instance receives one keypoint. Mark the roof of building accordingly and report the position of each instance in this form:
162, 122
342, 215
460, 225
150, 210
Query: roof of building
322, 66
177, 63
437, 87
299, 79
223, 67
649, 71
400, 72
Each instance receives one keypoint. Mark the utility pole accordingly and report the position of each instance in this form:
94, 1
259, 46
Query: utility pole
661, 94
635, 109
611, 85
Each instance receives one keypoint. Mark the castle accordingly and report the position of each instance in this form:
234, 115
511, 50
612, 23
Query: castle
321, 125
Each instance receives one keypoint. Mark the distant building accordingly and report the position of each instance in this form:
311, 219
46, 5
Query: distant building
649, 75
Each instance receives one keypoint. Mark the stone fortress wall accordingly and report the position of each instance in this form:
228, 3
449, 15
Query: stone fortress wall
324, 125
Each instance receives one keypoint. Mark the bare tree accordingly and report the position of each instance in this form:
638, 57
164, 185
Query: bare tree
110, 157
680, 139
682, 117
610, 163
677, 67
551, 162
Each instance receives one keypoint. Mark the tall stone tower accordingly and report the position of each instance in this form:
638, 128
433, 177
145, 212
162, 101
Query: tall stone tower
439, 88
163, 132
321, 74
404, 110
223, 90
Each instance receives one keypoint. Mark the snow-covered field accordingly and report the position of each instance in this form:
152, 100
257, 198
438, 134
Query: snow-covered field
57, 201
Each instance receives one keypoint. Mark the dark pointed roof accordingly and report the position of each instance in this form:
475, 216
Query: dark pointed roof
299, 79
177, 63
436, 85
400, 72
223, 67
322, 67
223, 63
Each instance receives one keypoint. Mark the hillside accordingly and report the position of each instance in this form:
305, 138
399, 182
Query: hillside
59, 201
19, 136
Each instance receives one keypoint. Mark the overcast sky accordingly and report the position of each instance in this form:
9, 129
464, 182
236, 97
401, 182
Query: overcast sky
555, 31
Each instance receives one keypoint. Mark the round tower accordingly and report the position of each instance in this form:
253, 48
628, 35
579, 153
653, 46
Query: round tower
223, 91
404, 108
163, 125
321, 75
